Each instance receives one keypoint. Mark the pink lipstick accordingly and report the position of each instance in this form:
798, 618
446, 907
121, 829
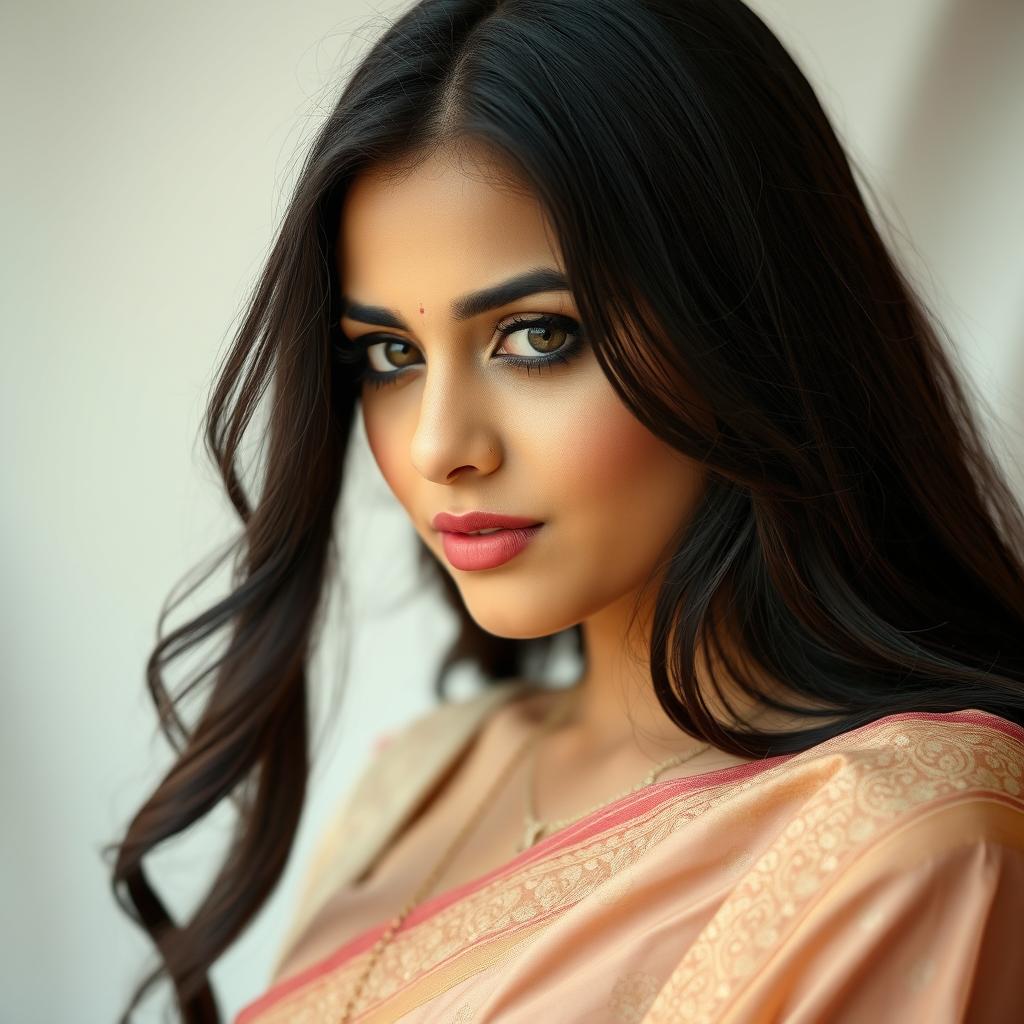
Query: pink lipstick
483, 551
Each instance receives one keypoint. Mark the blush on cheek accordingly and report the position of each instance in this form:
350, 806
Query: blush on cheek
619, 446
628, 471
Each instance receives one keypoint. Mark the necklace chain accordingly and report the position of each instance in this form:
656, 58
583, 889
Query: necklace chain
533, 830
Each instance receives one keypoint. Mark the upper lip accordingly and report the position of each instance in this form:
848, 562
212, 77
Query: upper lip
469, 522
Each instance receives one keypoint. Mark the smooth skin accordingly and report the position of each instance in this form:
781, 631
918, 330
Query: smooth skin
458, 429
461, 430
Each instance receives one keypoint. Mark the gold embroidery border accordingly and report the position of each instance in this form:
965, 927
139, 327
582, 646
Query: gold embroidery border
896, 766
899, 770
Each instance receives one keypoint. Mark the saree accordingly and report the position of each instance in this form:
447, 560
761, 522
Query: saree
876, 876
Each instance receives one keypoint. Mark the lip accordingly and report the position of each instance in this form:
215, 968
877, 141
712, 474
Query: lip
446, 522
490, 550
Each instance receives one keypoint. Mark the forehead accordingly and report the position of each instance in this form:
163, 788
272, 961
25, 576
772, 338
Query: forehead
445, 222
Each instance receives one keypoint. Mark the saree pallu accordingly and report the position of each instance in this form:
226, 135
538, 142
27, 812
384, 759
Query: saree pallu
878, 876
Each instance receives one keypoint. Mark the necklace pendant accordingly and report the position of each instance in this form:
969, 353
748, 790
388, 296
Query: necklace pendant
533, 831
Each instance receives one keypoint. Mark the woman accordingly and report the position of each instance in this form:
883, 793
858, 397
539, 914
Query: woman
601, 268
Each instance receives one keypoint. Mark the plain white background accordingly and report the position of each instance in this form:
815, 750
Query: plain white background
149, 149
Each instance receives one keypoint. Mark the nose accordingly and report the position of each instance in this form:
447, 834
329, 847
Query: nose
455, 433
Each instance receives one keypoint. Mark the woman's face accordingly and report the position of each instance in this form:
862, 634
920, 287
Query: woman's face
457, 428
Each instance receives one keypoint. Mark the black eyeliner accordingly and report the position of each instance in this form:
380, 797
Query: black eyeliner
380, 378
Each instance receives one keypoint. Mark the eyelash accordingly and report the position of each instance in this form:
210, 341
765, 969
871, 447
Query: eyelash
380, 378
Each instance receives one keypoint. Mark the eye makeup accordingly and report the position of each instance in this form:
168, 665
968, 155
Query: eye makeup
380, 378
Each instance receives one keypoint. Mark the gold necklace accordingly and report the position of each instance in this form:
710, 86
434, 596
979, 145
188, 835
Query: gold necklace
533, 829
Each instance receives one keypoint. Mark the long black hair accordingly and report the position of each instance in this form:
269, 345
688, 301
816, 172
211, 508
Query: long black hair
855, 533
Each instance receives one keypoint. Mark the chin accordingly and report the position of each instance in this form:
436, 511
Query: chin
508, 621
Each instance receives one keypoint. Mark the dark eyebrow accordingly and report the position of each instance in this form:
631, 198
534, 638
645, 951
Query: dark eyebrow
540, 279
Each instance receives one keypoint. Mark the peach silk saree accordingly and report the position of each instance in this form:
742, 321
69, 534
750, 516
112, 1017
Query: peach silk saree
878, 876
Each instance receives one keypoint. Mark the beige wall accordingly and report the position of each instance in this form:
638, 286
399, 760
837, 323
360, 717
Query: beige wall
148, 153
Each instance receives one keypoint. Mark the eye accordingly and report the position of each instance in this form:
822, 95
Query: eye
541, 335
540, 342
393, 353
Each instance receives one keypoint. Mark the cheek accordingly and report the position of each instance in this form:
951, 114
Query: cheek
620, 463
626, 489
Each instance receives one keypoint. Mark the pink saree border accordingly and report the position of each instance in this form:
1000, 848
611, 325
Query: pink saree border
610, 816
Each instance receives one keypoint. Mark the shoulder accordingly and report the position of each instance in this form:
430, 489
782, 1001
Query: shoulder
401, 767
918, 781
908, 765
890, 807
904, 793
895, 855
446, 721
403, 761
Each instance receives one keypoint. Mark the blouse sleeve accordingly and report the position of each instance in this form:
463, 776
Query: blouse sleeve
317, 874
927, 924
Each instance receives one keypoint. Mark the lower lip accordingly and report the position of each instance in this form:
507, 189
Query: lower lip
488, 550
